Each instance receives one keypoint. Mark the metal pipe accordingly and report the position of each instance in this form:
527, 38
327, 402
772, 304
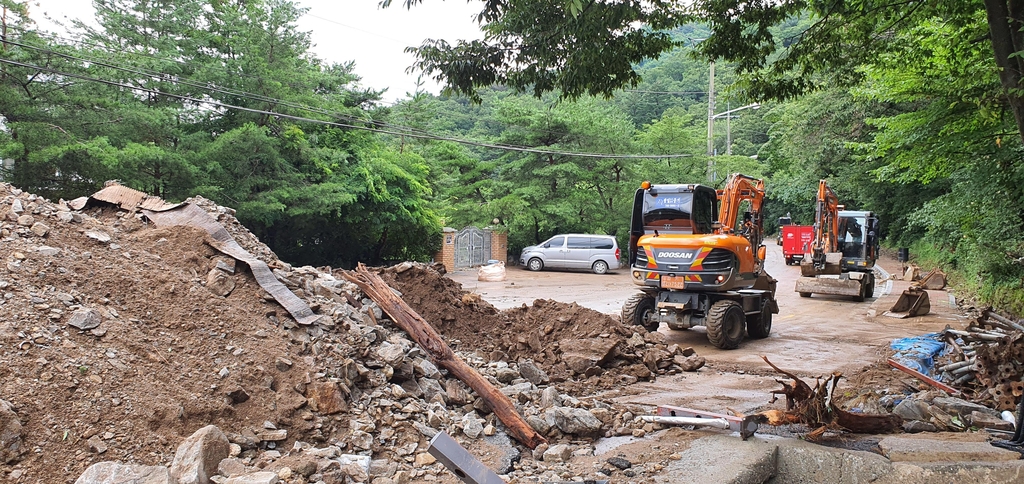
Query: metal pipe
954, 366
964, 379
962, 370
993, 315
718, 423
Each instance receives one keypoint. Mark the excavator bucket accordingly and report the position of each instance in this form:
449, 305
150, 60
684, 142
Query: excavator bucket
832, 265
935, 280
913, 302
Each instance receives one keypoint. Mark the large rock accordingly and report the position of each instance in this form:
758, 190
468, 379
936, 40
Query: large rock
198, 456
326, 398
558, 453
10, 434
961, 407
85, 319
219, 282
581, 355
118, 473
912, 409
575, 421
533, 373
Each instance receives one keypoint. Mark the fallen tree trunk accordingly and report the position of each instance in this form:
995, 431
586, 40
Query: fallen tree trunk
424, 335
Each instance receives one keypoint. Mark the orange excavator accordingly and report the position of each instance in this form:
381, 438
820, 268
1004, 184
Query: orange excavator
698, 256
843, 250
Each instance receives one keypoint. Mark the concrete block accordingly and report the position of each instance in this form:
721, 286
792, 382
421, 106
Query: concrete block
723, 459
906, 449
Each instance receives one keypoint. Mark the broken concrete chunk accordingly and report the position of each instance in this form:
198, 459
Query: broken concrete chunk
255, 478
85, 319
10, 434
558, 453
26, 220
117, 473
273, 435
98, 236
196, 459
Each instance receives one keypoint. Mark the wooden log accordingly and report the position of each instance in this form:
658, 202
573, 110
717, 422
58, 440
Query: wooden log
424, 335
863, 423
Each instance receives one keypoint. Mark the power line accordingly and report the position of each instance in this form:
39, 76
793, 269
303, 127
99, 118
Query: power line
336, 124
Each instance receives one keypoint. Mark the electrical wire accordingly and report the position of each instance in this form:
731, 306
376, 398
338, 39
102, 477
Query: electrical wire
335, 124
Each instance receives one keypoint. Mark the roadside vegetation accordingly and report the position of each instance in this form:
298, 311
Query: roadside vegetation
226, 100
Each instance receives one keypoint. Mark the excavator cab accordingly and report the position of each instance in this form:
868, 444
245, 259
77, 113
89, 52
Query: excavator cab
858, 240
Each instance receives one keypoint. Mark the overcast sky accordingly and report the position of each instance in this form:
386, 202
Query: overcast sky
352, 30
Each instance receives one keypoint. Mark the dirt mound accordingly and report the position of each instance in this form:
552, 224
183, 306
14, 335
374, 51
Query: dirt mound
119, 339
569, 341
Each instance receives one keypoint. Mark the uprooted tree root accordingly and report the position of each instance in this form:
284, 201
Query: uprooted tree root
815, 408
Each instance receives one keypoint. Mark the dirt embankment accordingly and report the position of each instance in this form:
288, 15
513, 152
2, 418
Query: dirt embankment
118, 339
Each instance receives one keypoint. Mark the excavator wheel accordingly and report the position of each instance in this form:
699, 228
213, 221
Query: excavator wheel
725, 324
760, 325
639, 310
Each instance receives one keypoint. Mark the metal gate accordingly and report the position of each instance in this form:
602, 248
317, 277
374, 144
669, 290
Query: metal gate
472, 247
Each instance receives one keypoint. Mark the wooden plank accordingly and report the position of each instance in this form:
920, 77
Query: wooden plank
925, 378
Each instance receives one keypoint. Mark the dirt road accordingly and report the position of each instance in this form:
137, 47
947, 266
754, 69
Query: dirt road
810, 337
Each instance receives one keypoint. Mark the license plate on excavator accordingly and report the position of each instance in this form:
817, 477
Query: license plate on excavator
673, 282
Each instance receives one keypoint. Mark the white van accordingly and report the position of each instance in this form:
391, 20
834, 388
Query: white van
599, 253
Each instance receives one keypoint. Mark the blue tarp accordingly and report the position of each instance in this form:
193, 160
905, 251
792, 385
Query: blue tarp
918, 352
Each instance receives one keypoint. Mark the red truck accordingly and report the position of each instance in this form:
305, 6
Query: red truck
796, 241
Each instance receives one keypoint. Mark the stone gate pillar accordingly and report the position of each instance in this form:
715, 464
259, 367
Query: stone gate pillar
446, 255
499, 244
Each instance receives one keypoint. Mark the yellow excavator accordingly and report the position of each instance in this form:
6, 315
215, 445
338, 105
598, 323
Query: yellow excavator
844, 248
700, 261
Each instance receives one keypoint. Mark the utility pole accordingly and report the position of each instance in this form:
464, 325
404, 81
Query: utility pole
711, 125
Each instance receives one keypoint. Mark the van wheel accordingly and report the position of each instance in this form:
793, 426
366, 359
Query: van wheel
535, 264
638, 310
725, 324
600, 267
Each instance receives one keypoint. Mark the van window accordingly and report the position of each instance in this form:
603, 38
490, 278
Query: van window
555, 242
579, 242
601, 243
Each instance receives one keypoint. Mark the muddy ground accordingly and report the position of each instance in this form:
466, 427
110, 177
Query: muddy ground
810, 336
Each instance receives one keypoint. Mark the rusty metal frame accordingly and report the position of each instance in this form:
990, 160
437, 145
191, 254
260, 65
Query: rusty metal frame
746, 426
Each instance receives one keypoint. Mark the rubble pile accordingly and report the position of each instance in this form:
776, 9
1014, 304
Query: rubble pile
120, 339
568, 341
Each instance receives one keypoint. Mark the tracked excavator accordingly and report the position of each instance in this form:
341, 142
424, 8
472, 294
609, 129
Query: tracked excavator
844, 248
699, 260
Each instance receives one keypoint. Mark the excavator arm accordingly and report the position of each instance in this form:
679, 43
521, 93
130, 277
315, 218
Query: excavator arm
739, 188
826, 225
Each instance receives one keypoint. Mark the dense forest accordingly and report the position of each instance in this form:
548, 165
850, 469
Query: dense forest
227, 101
